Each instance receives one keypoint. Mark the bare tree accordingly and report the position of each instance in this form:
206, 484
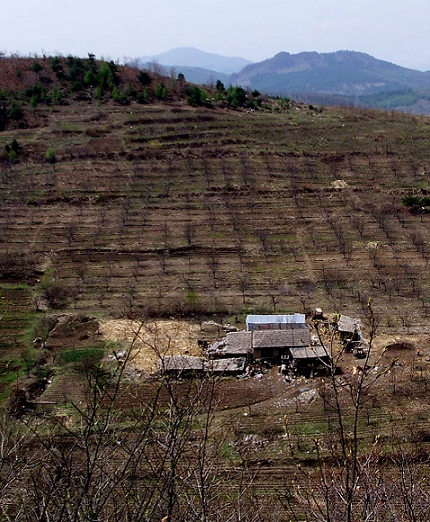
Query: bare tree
212, 263
189, 232
243, 286
345, 486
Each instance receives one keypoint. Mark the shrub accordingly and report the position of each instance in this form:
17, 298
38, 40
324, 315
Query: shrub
144, 78
37, 91
15, 112
3, 116
16, 266
36, 67
143, 96
236, 96
196, 97
416, 201
50, 156
161, 92
56, 97
56, 294
13, 156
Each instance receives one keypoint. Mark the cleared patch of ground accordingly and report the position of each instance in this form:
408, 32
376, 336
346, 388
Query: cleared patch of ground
151, 340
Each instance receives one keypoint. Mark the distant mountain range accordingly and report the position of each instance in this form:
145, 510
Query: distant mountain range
342, 77
343, 72
191, 57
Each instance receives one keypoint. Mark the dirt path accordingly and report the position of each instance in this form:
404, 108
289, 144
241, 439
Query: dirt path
40, 227
309, 265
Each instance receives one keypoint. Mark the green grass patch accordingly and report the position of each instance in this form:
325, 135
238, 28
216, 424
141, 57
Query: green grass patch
310, 428
70, 128
83, 355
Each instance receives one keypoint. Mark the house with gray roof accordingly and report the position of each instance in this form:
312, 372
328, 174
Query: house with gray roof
274, 344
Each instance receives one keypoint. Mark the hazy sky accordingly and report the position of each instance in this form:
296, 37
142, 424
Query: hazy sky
393, 30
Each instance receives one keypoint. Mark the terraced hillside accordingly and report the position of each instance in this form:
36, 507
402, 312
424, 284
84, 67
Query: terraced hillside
169, 209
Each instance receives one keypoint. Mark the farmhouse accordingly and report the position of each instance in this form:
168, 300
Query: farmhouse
273, 339
277, 339
273, 345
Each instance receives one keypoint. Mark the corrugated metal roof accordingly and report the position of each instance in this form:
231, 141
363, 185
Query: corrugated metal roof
310, 352
280, 338
276, 319
348, 324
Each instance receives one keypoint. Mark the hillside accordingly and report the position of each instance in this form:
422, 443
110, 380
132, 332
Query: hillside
343, 72
172, 183
347, 74
174, 209
184, 217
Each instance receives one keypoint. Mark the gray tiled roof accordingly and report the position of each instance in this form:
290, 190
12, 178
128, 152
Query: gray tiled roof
309, 352
280, 338
182, 363
238, 342
233, 365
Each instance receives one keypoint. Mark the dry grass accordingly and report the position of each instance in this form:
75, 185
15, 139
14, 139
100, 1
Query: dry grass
152, 340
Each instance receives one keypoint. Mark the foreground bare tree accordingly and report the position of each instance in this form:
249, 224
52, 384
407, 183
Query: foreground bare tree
355, 479
122, 455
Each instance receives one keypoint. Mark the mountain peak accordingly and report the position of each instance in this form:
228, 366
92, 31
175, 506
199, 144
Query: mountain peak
193, 57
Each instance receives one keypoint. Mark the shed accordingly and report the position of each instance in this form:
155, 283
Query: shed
308, 360
349, 331
182, 364
275, 322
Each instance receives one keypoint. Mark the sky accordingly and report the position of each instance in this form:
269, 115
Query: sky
393, 30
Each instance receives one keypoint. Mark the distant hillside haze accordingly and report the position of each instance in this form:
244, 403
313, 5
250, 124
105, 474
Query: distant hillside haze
346, 73
193, 57
337, 78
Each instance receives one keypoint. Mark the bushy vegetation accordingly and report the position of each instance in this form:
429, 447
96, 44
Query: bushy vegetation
415, 201
59, 80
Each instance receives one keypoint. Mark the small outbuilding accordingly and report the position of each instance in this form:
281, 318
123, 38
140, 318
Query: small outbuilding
191, 366
349, 330
182, 365
308, 360
230, 366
